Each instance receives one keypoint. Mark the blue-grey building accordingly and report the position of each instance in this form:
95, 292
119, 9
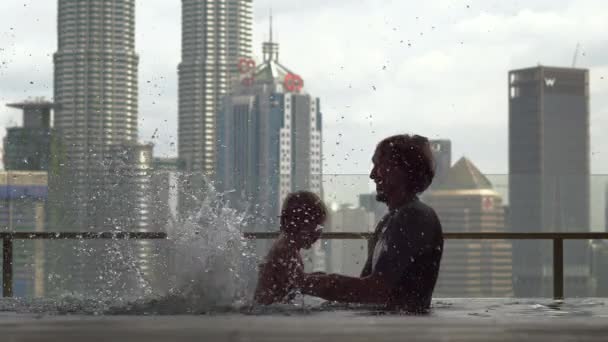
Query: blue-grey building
549, 174
29, 147
23, 198
442, 153
269, 143
269, 139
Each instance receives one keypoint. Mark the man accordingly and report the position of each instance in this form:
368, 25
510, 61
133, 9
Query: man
402, 268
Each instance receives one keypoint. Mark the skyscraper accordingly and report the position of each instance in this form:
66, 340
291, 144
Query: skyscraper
370, 203
164, 184
549, 173
467, 202
130, 206
599, 258
442, 153
216, 34
24, 191
269, 140
29, 147
99, 177
599, 268
343, 255
96, 98
23, 196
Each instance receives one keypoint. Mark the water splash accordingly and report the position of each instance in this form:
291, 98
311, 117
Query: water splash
211, 266
205, 264
214, 265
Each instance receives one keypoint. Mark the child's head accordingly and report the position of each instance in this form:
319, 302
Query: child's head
302, 217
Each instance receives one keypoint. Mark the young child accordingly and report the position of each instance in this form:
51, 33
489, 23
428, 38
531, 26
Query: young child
302, 217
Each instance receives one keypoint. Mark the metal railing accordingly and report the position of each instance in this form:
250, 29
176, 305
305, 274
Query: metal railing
557, 238
8, 237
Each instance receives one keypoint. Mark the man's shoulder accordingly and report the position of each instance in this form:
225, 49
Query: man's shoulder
421, 215
417, 209
419, 206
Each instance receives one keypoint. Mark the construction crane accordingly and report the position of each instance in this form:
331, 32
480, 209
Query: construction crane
578, 46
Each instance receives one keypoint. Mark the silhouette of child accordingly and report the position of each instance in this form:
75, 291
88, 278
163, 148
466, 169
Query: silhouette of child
301, 220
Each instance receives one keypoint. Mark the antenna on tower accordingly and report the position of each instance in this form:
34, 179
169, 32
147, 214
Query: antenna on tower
270, 28
578, 46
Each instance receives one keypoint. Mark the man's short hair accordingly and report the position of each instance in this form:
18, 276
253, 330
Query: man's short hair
413, 154
300, 206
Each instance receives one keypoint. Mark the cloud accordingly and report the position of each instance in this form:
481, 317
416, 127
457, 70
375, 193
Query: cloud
435, 67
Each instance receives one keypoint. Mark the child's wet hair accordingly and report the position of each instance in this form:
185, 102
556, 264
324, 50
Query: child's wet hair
300, 207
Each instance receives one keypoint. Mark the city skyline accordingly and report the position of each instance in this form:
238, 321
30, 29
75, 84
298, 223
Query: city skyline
450, 42
264, 140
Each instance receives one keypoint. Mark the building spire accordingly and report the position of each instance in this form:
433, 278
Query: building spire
270, 49
270, 24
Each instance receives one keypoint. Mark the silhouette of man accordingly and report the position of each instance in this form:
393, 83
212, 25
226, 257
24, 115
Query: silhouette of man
402, 268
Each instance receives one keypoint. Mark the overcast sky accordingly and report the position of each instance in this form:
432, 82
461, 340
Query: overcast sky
437, 68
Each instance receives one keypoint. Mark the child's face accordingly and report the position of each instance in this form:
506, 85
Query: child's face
310, 233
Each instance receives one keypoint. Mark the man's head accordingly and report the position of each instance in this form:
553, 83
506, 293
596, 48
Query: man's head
302, 217
403, 166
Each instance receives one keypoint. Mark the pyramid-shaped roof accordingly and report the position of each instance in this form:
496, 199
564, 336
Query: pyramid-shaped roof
273, 72
464, 175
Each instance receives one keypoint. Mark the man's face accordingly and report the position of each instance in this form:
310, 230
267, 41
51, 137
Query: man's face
388, 178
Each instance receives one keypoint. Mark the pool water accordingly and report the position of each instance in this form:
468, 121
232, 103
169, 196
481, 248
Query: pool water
479, 308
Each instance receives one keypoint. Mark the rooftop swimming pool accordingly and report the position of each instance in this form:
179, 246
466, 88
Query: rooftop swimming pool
217, 273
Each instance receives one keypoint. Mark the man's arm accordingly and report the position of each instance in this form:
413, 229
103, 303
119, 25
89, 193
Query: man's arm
406, 240
369, 290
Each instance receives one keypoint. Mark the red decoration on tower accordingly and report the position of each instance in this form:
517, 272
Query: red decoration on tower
488, 203
246, 65
293, 83
246, 69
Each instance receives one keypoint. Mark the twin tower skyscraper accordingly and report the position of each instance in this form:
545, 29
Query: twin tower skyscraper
216, 34
96, 94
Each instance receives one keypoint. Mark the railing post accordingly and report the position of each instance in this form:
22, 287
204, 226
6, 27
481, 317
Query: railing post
558, 269
7, 266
